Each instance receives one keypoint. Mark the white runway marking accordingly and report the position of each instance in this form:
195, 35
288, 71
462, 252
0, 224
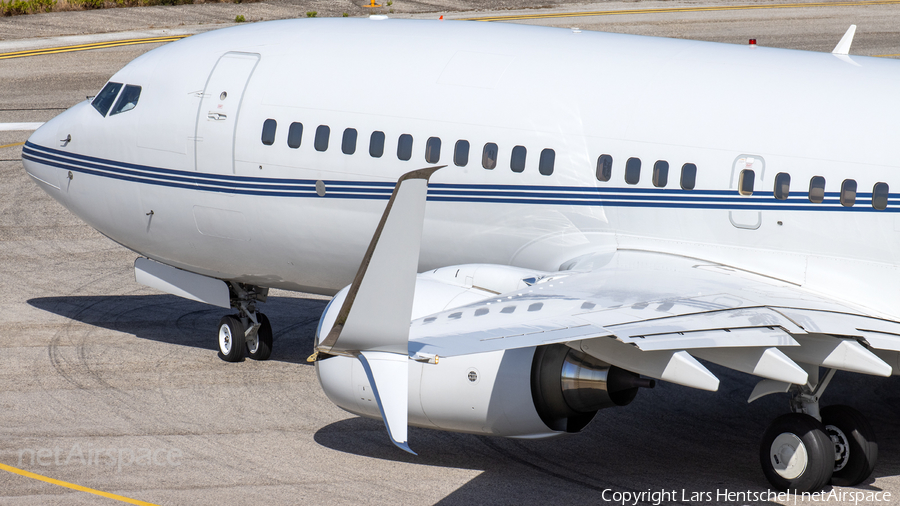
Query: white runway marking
9, 127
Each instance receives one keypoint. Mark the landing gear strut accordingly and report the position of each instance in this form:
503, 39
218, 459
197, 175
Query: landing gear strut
249, 330
808, 449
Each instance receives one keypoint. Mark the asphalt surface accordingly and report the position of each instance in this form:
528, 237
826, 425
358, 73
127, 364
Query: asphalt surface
93, 363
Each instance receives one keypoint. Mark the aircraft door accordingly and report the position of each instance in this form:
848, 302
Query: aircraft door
754, 177
218, 113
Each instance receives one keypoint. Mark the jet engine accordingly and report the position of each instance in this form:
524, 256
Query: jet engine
569, 386
526, 392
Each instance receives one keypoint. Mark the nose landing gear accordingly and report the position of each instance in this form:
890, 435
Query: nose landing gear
249, 331
808, 449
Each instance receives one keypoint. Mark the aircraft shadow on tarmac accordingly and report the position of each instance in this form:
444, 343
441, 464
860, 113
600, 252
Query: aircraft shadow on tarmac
171, 319
671, 438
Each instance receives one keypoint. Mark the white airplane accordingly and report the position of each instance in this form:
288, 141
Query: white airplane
602, 210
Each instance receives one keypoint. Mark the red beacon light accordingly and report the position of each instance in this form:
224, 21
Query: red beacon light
752, 42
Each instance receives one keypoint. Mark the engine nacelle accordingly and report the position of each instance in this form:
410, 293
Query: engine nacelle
527, 392
487, 393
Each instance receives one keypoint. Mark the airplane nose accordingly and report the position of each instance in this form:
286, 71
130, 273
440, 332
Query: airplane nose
40, 155
41, 136
35, 160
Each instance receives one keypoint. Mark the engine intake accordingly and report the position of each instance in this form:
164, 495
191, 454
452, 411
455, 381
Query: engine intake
569, 387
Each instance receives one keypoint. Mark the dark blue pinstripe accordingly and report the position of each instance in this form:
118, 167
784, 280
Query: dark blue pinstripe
439, 192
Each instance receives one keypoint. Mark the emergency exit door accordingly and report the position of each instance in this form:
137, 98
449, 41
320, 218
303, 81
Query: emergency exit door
747, 218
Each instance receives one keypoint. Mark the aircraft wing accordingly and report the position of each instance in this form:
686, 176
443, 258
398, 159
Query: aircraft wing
646, 312
652, 313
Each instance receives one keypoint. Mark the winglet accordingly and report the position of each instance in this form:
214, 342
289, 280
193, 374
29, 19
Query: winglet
369, 321
843, 47
391, 372
373, 327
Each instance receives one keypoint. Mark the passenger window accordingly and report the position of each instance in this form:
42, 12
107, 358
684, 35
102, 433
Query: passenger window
322, 134
489, 156
848, 193
461, 153
880, 196
433, 150
660, 173
105, 98
604, 168
404, 147
633, 170
688, 176
745, 182
268, 133
817, 189
348, 143
376, 144
295, 135
517, 161
127, 100
782, 185
545, 165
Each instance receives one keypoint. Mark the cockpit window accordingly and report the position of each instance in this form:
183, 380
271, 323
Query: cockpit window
127, 100
105, 98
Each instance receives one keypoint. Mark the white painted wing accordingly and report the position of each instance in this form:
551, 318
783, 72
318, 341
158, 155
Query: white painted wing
663, 304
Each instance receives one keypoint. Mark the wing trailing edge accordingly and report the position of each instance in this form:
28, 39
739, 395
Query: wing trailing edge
675, 366
645, 311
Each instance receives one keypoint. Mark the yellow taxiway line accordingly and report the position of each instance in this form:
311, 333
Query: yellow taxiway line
172, 38
94, 45
74, 486
12, 146
681, 9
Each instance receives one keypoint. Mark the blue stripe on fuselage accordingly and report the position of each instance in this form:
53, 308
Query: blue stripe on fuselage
438, 192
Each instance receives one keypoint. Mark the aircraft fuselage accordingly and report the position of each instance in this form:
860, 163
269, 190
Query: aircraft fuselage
187, 177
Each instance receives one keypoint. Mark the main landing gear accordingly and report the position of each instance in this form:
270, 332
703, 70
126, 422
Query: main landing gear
808, 449
249, 331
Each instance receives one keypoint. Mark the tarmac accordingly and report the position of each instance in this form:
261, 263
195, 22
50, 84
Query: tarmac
97, 369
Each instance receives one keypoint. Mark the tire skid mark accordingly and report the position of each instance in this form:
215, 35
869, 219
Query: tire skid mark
60, 364
120, 402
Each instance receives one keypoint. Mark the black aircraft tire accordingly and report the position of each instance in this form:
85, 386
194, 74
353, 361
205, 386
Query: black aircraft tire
857, 438
264, 346
230, 338
797, 454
